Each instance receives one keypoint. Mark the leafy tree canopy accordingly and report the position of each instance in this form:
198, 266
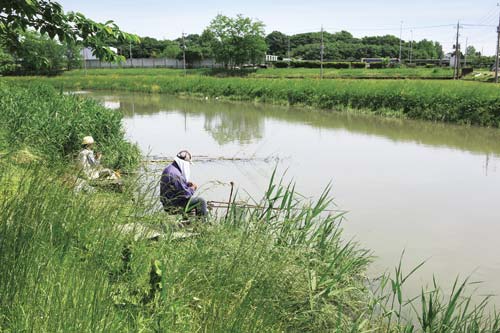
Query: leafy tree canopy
236, 41
48, 17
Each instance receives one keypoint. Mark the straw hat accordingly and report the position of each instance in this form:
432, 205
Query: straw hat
88, 140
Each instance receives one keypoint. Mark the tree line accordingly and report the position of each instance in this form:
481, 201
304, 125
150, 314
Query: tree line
39, 48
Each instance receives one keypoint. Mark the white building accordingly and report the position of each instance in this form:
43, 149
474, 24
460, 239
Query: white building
271, 58
87, 54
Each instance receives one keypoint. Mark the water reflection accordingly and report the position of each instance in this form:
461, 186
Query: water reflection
243, 122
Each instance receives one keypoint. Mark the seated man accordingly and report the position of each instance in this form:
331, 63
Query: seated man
91, 164
176, 191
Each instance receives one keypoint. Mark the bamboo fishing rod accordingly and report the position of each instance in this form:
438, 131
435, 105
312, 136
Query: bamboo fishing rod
227, 205
205, 158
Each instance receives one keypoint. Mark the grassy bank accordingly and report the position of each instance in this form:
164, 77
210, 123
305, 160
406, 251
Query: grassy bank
447, 101
68, 266
329, 73
52, 125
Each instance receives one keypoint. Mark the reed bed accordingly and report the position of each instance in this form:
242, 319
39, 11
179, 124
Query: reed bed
459, 102
280, 267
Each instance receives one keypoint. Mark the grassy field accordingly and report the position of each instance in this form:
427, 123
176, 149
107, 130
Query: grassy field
414, 73
433, 100
67, 266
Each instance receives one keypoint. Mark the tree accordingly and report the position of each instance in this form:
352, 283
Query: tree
48, 17
40, 55
7, 64
171, 50
197, 47
277, 43
73, 55
236, 41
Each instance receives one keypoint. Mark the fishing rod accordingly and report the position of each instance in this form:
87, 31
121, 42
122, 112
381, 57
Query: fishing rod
227, 205
205, 158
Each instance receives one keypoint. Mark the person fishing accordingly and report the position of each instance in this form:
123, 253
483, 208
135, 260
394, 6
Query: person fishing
90, 163
176, 189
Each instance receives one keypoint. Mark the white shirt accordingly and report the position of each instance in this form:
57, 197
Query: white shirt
89, 164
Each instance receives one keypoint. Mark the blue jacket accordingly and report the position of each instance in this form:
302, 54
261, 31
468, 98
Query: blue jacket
174, 189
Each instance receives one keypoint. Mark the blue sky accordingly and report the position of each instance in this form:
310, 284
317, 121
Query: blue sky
167, 19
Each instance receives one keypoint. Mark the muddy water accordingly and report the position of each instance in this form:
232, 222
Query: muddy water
431, 189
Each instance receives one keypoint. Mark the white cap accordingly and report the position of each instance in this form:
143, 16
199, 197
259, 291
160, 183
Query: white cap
88, 140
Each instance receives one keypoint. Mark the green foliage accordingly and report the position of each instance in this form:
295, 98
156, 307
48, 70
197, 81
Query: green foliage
447, 101
277, 43
48, 17
305, 64
68, 267
53, 124
338, 65
377, 65
171, 50
7, 64
236, 41
281, 64
342, 46
317, 64
358, 65
39, 55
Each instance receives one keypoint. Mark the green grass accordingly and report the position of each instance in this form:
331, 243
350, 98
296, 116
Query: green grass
53, 125
66, 267
411, 73
433, 100
415, 73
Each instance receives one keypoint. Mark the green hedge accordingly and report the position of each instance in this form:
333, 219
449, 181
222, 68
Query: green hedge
377, 65
281, 64
317, 64
358, 65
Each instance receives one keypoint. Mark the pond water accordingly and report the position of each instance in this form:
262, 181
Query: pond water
430, 189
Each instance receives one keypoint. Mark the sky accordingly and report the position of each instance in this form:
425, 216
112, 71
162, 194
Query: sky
430, 19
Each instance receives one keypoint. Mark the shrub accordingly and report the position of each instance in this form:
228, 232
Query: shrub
377, 65
358, 65
305, 64
281, 64
338, 65
430, 66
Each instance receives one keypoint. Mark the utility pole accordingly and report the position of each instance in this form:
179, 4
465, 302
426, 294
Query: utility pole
321, 53
456, 71
465, 52
400, 41
498, 45
411, 46
288, 53
130, 53
84, 61
184, 53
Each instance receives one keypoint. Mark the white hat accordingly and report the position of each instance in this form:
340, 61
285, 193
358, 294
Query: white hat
88, 140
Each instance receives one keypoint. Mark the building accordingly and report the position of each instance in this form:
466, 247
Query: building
87, 53
271, 58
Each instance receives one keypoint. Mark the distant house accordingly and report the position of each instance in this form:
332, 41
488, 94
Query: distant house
271, 58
